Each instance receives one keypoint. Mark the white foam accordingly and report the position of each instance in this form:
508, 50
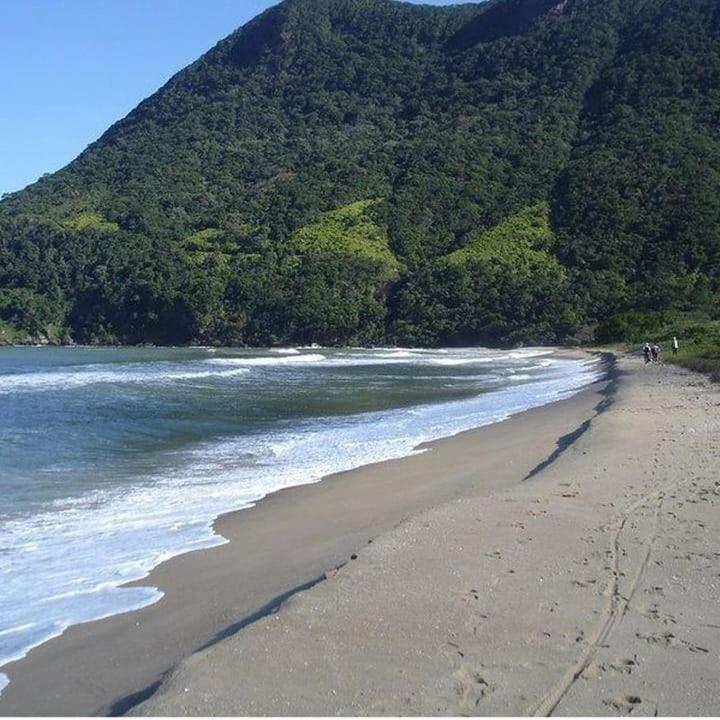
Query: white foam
94, 375
19, 628
531, 352
376, 356
453, 362
36, 634
267, 361
383, 356
394, 354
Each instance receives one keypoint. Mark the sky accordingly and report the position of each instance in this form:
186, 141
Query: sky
70, 68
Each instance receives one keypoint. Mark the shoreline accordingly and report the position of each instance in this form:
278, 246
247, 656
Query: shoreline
591, 590
80, 647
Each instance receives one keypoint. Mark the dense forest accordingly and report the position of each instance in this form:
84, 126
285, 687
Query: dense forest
371, 171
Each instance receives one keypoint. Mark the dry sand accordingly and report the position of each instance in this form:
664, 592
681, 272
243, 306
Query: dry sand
287, 541
591, 588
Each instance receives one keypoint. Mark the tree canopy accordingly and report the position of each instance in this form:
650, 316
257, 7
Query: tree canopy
365, 171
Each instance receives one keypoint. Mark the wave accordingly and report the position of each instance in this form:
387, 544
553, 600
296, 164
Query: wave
453, 362
531, 352
76, 376
84, 375
266, 361
370, 358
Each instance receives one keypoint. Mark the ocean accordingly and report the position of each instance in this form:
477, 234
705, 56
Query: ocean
113, 460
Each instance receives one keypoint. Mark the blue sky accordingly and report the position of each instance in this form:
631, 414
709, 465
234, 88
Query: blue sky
70, 68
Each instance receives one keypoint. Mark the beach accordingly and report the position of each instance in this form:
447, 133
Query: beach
286, 541
591, 588
564, 560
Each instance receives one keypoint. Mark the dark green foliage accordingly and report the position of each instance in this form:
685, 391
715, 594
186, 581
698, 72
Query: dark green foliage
363, 171
503, 287
637, 207
22, 308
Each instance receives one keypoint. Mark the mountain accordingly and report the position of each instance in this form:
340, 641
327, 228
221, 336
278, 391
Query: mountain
364, 171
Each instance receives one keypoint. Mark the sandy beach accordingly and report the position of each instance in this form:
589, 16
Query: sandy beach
591, 588
564, 561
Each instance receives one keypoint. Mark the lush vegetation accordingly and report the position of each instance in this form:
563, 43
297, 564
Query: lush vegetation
698, 336
505, 286
365, 171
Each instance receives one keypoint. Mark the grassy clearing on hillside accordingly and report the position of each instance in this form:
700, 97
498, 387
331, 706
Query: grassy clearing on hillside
90, 221
351, 231
525, 235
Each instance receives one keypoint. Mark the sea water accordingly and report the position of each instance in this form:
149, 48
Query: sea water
113, 460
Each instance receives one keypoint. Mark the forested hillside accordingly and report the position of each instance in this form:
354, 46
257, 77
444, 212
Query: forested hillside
367, 171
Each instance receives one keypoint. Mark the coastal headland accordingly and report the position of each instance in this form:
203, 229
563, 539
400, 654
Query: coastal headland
563, 561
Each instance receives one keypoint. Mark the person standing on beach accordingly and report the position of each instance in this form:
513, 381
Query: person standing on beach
646, 353
655, 350
675, 345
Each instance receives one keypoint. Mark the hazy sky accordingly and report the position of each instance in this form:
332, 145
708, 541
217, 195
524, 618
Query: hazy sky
70, 68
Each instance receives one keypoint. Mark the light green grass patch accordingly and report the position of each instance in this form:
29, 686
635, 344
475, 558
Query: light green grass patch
90, 221
349, 230
524, 236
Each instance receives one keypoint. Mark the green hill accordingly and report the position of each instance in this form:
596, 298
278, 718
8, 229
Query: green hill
363, 171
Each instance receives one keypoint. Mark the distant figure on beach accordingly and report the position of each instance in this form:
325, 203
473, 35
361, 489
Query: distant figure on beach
646, 352
655, 350
675, 345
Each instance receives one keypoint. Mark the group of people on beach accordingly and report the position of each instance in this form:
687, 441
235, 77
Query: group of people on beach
651, 353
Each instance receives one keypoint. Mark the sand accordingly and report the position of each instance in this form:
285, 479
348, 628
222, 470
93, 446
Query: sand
591, 588
288, 541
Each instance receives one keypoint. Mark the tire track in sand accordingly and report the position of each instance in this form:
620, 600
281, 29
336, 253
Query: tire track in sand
616, 603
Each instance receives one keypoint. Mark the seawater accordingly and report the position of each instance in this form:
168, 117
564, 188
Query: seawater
113, 460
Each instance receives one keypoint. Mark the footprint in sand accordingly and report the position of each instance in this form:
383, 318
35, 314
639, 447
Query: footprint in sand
655, 590
471, 687
455, 648
654, 613
593, 671
669, 640
624, 665
584, 583
476, 628
624, 704
620, 665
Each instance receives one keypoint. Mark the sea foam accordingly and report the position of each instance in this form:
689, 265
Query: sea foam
81, 376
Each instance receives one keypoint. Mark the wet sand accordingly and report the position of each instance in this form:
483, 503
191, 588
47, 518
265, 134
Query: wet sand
289, 541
